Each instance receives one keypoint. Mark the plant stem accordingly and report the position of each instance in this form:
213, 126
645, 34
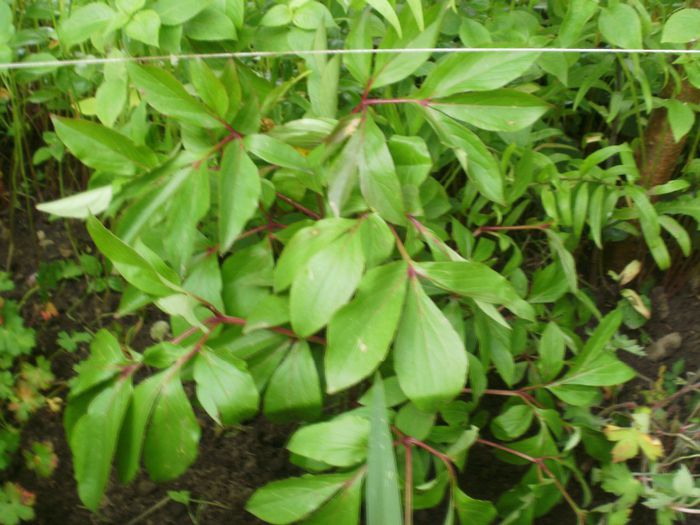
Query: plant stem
303, 209
402, 249
408, 485
481, 229
541, 465
512, 393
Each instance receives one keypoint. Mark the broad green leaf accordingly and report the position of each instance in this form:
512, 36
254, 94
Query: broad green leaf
176, 12
81, 205
414, 422
211, 25
477, 281
417, 10
209, 88
602, 370
579, 12
135, 423
110, 97
93, 440
172, 437
495, 346
551, 349
276, 16
576, 395
341, 442
621, 26
275, 152
103, 148
680, 116
294, 390
565, 259
165, 93
377, 240
343, 508
326, 283
513, 422
385, 8
472, 511
378, 181
500, 110
429, 357
360, 333
133, 267
289, 500
382, 503
359, 37
239, 192
144, 26
398, 66
273, 310
83, 22
224, 387
105, 361
459, 72
682, 26
476, 160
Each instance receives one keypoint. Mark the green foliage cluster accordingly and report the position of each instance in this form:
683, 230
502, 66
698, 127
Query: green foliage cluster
399, 231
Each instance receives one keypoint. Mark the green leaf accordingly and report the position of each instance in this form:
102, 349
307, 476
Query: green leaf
341, 509
477, 281
134, 428
172, 437
359, 37
621, 26
417, 10
133, 267
239, 192
476, 160
565, 259
81, 205
459, 72
144, 26
681, 117
512, 423
678, 232
165, 93
294, 390
651, 229
276, 16
360, 333
306, 243
83, 22
473, 511
576, 395
500, 110
682, 26
289, 500
211, 25
387, 11
209, 88
341, 442
176, 12
398, 66
275, 152
224, 387
414, 422
579, 12
429, 357
604, 332
382, 503
602, 370
105, 361
551, 350
326, 283
378, 181
102, 148
93, 440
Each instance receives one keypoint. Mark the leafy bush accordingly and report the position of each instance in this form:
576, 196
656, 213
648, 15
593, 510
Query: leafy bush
397, 231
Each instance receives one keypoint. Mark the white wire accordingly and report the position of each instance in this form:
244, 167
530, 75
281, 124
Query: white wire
315, 52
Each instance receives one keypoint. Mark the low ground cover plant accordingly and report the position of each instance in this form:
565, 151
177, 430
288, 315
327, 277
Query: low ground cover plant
401, 252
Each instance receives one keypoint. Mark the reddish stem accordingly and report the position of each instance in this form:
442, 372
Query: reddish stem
408, 485
233, 135
303, 209
541, 465
378, 101
512, 393
228, 319
481, 229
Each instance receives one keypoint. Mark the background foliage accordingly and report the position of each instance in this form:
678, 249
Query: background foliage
401, 235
